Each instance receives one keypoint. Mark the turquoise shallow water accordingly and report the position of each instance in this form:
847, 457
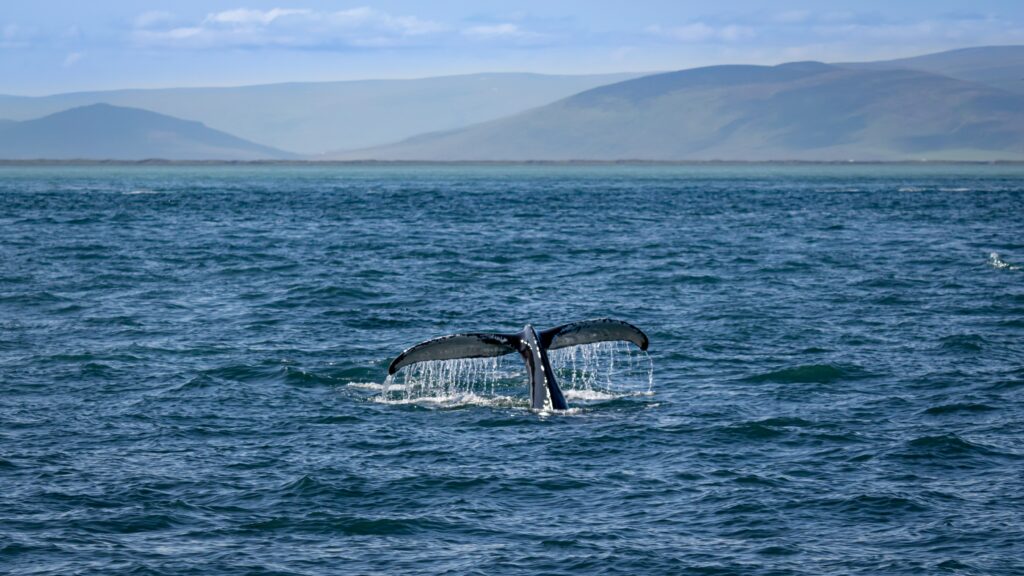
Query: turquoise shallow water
191, 362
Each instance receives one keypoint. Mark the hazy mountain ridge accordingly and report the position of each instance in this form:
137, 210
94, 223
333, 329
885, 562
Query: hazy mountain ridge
797, 111
105, 132
998, 66
318, 117
957, 105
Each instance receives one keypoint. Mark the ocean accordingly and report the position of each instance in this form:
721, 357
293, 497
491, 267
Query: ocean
193, 370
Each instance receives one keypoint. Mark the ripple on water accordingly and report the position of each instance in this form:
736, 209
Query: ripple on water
320, 523
959, 407
963, 343
810, 374
759, 430
873, 507
947, 450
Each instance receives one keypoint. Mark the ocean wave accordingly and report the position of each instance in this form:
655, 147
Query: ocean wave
752, 430
963, 342
876, 506
325, 522
970, 407
810, 374
698, 279
946, 448
299, 377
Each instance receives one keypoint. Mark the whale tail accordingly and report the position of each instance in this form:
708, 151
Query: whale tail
592, 332
477, 345
485, 345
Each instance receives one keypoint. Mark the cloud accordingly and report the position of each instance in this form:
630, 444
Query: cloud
841, 34
622, 53
15, 36
153, 18
297, 28
243, 16
702, 32
792, 17
72, 58
964, 31
506, 30
845, 26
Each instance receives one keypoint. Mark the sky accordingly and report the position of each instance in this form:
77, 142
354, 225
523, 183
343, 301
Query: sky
52, 46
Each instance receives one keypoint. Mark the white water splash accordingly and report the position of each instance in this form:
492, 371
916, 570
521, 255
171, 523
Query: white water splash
459, 400
593, 372
368, 385
588, 395
996, 261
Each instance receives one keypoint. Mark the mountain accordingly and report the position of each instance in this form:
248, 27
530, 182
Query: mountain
797, 111
998, 66
317, 117
104, 132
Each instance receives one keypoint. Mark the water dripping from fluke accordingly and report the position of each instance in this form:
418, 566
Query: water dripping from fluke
588, 374
535, 348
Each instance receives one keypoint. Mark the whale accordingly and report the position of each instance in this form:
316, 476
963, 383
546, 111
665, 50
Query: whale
532, 346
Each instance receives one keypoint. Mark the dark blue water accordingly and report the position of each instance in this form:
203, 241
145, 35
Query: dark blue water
191, 361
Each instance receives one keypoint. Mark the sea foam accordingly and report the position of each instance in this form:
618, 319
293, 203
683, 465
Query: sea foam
995, 260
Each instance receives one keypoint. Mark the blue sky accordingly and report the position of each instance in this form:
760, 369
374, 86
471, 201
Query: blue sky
49, 46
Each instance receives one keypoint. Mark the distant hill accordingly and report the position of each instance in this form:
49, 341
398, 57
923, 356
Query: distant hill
798, 111
317, 117
998, 66
104, 132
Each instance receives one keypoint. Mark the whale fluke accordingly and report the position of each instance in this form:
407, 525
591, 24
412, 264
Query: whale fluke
457, 346
591, 332
531, 345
